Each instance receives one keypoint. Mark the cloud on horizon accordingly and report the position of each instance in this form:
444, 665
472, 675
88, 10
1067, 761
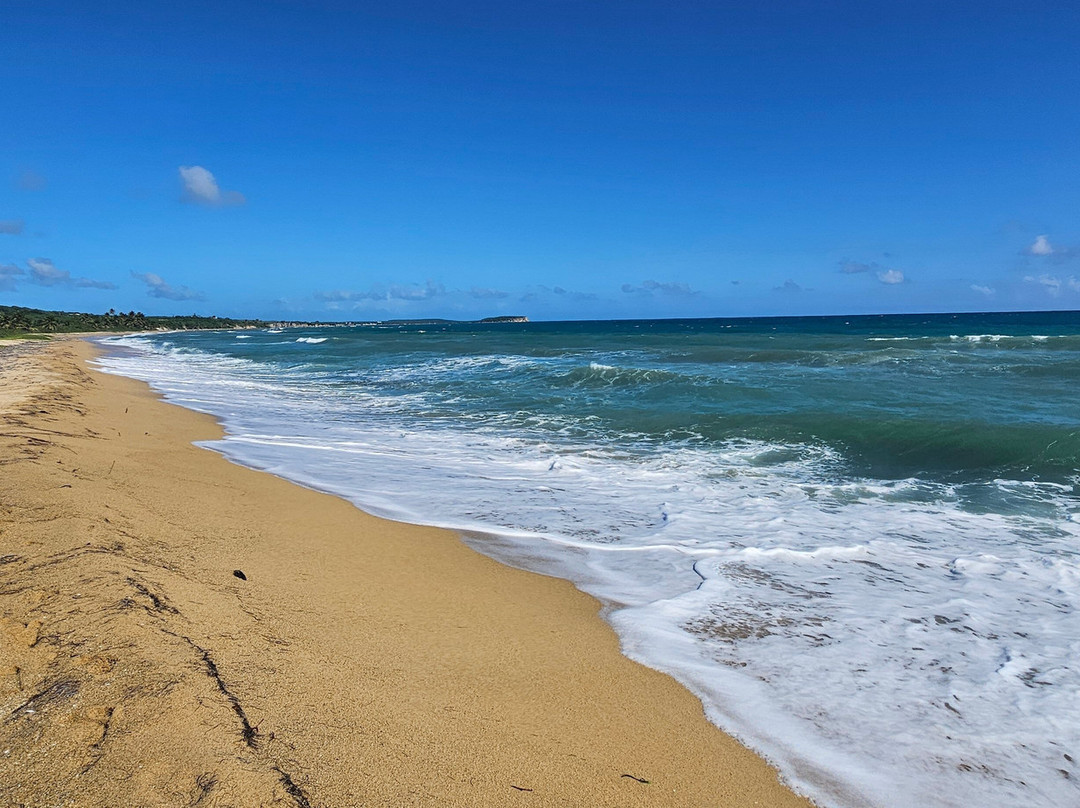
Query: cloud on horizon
983, 290
1053, 284
856, 267
201, 187
539, 293
86, 283
789, 286
487, 294
44, 272
12, 227
650, 287
395, 291
157, 287
884, 274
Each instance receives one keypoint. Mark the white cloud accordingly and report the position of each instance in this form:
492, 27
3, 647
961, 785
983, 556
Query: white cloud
200, 184
413, 292
669, 288
1051, 283
395, 291
44, 272
488, 294
673, 288
336, 296
87, 283
1054, 253
11, 227
201, 187
542, 293
887, 276
789, 286
1041, 246
157, 287
982, 290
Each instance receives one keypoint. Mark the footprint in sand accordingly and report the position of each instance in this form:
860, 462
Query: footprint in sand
23, 634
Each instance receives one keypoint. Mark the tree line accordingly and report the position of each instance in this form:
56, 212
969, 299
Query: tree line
16, 320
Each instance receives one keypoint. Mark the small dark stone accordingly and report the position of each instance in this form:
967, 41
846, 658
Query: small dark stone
239, 574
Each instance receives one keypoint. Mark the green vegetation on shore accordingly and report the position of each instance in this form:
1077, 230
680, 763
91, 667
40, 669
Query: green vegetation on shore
16, 321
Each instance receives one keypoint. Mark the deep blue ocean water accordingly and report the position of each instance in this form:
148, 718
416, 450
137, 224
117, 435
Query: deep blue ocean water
857, 539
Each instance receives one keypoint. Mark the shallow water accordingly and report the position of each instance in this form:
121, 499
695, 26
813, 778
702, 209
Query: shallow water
856, 539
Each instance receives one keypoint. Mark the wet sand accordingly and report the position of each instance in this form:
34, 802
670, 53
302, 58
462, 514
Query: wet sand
358, 661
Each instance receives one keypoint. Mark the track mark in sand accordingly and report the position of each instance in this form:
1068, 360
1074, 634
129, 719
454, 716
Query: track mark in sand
63, 690
292, 789
160, 603
204, 784
248, 733
104, 717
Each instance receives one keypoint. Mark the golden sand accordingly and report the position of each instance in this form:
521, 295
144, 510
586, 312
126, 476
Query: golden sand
361, 662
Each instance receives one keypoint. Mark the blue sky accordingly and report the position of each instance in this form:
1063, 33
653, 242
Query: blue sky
555, 159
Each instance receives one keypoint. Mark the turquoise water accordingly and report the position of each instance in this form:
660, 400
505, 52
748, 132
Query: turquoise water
855, 538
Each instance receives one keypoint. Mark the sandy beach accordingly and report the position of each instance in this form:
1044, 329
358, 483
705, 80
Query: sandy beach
179, 630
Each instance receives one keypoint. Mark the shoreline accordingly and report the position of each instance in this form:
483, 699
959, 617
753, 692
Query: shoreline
359, 661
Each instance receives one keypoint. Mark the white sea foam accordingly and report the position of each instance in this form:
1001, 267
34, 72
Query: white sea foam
1012, 339
882, 642
979, 337
971, 338
311, 340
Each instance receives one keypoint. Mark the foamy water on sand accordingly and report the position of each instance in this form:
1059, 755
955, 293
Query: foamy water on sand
858, 541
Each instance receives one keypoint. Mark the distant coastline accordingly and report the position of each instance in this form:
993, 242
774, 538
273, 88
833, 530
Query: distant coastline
20, 321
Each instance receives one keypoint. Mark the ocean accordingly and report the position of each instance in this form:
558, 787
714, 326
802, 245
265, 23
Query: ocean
856, 539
